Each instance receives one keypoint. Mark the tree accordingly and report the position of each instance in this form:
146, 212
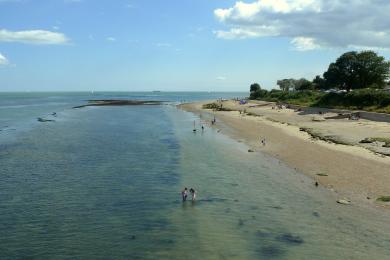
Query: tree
372, 69
255, 87
286, 84
319, 83
294, 84
354, 70
303, 84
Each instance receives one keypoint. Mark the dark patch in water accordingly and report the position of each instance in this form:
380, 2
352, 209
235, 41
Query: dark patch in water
271, 251
236, 200
253, 207
263, 234
133, 237
276, 207
234, 184
316, 214
253, 217
290, 239
212, 200
241, 222
155, 224
227, 210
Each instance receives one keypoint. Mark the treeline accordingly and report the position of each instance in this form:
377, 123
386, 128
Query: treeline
365, 73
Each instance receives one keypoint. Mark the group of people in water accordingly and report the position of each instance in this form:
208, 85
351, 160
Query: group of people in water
184, 194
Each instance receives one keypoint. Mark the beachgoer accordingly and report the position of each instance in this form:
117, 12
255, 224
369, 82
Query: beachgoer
184, 194
193, 194
202, 127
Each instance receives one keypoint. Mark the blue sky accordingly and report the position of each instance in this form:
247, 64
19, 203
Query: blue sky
205, 45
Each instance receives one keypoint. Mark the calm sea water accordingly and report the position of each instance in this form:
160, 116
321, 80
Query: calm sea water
105, 182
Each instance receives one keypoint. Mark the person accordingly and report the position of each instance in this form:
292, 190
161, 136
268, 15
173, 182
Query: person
202, 128
184, 194
193, 194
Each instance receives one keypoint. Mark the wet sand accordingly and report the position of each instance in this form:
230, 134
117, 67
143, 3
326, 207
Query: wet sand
351, 171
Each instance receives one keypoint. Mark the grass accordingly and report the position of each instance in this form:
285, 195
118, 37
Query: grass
215, 106
384, 199
369, 140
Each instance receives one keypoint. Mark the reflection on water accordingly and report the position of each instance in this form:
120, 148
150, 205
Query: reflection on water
106, 182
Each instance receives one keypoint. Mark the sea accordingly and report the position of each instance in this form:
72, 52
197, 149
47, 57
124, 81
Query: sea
105, 183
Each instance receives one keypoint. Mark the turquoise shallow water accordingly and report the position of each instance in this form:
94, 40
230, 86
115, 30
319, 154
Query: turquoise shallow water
104, 182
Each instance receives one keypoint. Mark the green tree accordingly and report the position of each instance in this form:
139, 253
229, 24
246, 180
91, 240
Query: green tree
372, 69
319, 83
354, 70
303, 84
255, 87
286, 84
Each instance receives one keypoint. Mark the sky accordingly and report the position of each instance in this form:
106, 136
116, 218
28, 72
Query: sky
180, 45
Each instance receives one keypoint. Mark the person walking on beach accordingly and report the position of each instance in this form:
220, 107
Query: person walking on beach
193, 194
184, 194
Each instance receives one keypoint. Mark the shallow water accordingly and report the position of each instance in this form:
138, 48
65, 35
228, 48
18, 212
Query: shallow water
104, 182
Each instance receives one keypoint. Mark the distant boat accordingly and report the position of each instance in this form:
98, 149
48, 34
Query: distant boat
156, 91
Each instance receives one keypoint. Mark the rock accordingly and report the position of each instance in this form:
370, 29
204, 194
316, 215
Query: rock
40, 119
289, 238
322, 174
250, 151
344, 201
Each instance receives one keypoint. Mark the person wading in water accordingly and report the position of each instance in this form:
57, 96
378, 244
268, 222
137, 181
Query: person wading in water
184, 194
193, 194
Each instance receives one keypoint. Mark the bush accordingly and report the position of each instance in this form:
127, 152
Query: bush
356, 99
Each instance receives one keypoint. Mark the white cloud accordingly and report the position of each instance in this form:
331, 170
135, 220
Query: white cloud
221, 78
310, 24
3, 60
245, 32
304, 44
111, 39
33, 37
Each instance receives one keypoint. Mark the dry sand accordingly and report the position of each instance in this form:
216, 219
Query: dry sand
353, 172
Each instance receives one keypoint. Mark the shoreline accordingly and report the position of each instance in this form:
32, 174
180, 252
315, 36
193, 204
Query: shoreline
352, 172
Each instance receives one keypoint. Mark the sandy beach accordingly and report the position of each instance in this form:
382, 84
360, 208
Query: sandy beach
355, 172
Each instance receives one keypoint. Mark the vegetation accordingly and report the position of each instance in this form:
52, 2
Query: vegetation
355, 70
369, 140
215, 106
364, 72
304, 98
384, 199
